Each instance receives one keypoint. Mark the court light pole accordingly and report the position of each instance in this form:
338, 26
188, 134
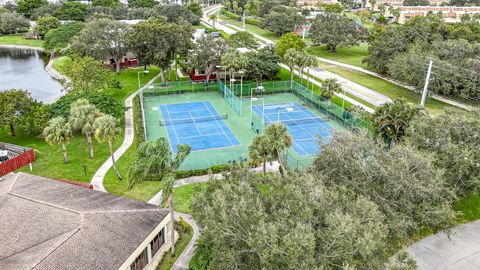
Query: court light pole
287, 110
225, 79
254, 99
145, 72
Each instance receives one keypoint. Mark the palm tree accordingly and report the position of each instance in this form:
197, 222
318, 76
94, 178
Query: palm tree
396, 13
305, 60
392, 120
58, 131
106, 131
278, 140
154, 161
82, 117
290, 58
330, 86
213, 18
259, 151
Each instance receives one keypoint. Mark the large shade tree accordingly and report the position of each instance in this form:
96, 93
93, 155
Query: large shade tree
263, 63
207, 54
334, 29
106, 131
103, 39
82, 118
15, 103
86, 74
409, 190
45, 24
291, 222
154, 161
58, 131
156, 41
454, 139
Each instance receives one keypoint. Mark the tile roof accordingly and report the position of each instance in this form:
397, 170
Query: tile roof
48, 224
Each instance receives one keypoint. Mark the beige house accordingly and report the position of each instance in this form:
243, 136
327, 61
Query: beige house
449, 13
48, 224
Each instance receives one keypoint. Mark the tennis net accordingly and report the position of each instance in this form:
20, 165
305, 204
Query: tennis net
292, 122
192, 120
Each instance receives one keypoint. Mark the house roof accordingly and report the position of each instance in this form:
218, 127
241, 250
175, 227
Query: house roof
49, 224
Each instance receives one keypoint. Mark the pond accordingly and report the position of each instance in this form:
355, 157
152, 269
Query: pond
25, 69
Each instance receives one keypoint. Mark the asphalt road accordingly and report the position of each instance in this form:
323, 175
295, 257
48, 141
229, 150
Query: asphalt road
460, 251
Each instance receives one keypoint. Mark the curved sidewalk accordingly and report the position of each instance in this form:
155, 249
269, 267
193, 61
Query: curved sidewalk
459, 251
97, 179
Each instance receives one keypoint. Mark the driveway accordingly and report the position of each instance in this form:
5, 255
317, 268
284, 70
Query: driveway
459, 252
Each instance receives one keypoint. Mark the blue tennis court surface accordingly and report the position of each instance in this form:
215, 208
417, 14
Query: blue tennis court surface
197, 124
305, 127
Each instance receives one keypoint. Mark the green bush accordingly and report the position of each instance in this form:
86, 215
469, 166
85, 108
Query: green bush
138, 121
231, 15
252, 21
102, 101
213, 169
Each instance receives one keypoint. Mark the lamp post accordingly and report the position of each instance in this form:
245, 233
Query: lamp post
145, 72
287, 110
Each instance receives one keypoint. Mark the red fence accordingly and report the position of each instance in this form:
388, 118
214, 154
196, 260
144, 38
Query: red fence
17, 162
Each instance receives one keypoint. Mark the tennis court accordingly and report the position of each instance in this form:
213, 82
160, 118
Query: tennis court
197, 124
305, 126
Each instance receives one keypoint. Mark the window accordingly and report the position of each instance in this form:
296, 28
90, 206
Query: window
141, 261
158, 241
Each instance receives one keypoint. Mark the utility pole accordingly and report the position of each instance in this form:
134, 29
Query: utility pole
425, 87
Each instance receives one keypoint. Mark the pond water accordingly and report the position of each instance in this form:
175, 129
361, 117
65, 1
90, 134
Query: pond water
25, 69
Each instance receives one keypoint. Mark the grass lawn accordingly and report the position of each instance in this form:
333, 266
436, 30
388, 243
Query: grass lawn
142, 191
347, 55
469, 208
253, 28
385, 87
49, 158
183, 195
49, 161
18, 39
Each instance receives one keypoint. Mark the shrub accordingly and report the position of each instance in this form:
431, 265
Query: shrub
138, 121
231, 15
102, 101
252, 21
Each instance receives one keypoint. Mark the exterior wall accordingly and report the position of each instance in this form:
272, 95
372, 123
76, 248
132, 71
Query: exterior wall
165, 223
450, 14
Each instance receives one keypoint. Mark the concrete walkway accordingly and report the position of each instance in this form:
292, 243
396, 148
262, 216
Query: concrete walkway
460, 251
97, 179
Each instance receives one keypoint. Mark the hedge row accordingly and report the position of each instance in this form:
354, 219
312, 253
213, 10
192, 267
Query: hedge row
231, 15
252, 21
213, 169
138, 120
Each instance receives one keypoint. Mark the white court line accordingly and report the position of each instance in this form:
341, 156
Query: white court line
220, 126
174, 131
193, 120
188, 137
